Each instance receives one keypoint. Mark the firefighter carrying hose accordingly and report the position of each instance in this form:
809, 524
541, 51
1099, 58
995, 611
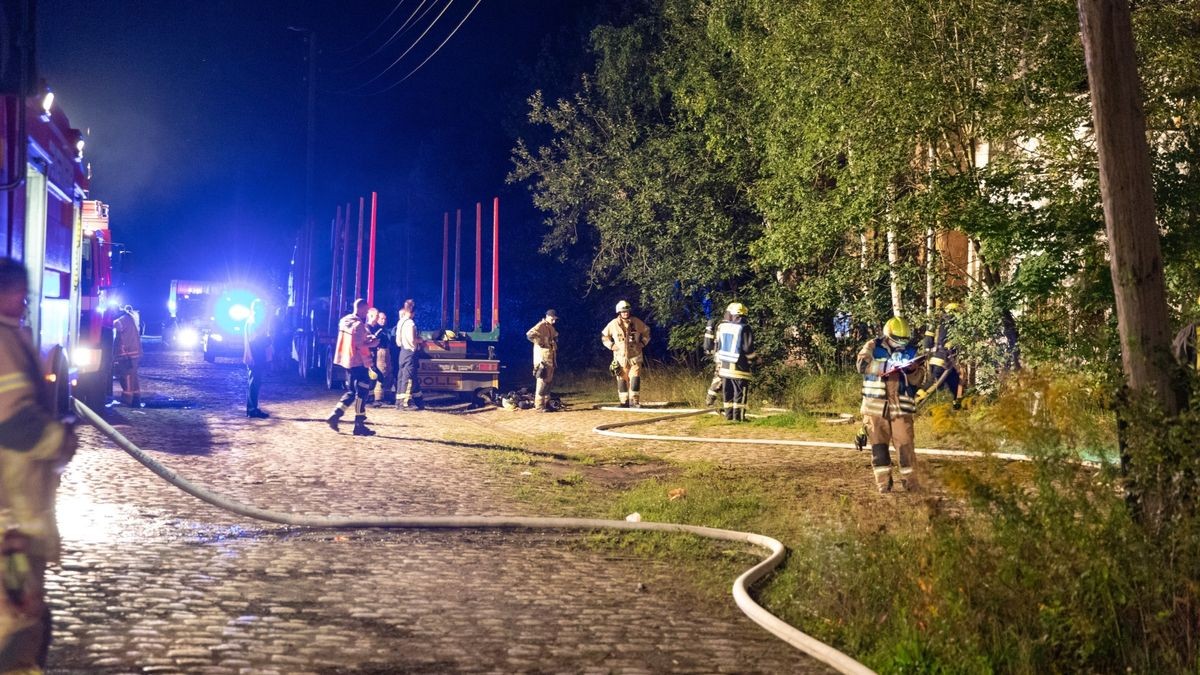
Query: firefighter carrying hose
887, 364
544, 337
710, 347
943, 358
735, 350
353, 353
626, 336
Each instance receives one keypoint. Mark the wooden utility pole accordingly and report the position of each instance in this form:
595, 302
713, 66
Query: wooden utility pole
1135, 255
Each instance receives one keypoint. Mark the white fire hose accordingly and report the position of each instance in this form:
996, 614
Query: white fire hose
777, 627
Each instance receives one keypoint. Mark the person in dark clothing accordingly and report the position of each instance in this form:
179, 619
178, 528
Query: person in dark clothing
735, 350
408, 385
257, 355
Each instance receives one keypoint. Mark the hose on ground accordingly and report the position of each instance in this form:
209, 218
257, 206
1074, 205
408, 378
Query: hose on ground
741, 595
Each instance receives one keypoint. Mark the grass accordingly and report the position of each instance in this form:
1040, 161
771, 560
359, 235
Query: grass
1023, 568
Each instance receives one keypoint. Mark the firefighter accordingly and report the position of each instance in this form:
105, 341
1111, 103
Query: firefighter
943, 358
35, 447
887, 364
408, 338
626, 336
710, 348
545, 357
128, 354
353, 354
735, 350
381, 357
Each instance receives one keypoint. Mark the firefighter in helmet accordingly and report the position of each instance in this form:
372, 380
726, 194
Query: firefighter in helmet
735, 350
943, 357
353, 354
890, 366
544, 337
626, 337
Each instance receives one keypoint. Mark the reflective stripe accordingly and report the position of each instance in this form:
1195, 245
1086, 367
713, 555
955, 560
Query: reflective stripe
937, 361
731, 371
729, 341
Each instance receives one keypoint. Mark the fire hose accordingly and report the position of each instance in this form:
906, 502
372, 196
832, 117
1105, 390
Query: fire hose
741, 595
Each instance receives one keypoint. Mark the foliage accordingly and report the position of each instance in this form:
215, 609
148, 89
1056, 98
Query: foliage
765, 150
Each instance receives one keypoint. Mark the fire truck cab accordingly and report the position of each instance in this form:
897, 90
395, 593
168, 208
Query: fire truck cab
62, 237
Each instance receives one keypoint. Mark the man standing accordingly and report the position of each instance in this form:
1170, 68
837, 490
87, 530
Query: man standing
545, 357
128, 354
735, 349
34, 449
710, 348
381, 356
887, 363
943, 359
408, 384
257, 355
626, 336
353, 354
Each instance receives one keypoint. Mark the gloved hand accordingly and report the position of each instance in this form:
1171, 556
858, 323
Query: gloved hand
615, 368
922, 394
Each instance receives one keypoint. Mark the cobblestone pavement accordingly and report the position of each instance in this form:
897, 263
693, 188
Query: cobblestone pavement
155, 581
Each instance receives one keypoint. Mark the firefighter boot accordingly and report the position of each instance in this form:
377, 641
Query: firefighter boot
710, 399
360, 427
332, 420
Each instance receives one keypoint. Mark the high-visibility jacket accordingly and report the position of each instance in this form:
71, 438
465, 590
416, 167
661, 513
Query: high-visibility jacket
735, 344
886, 395
627, 338
129, 343
943, 350
353, 344
32, 442
544, 337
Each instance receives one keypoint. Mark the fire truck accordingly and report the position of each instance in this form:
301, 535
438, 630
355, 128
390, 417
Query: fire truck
48, 222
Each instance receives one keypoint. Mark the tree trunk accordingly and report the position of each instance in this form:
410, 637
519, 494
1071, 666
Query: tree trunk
1126, 192
893, 249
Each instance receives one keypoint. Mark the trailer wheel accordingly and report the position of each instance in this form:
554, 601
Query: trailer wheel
484, 396
335, 376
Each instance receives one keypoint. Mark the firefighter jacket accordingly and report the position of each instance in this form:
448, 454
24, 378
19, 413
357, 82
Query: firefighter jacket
353, 343
627, 338
943, 349
257, 336
129, 343
735, 346
544, 337
33, 444
886, 389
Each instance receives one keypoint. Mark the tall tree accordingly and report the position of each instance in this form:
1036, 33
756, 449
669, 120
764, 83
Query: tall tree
1127, 195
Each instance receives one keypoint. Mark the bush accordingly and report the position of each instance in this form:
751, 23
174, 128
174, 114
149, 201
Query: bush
1046, 569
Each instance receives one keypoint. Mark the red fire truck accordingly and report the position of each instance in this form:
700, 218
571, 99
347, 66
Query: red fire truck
47, 221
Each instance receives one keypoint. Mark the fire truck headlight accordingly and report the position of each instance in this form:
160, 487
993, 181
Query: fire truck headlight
86, 359
187, 338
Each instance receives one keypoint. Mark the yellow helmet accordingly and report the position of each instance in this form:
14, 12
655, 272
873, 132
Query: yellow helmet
623, 306
736, 309
897, 331
952, 307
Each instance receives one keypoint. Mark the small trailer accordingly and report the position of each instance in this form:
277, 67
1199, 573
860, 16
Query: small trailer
457, 362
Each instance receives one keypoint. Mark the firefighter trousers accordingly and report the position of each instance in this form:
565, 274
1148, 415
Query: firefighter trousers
359, 380
542, 388
882, 433
735, 393
408, 386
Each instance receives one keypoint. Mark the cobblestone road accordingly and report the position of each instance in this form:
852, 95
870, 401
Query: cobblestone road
155, 581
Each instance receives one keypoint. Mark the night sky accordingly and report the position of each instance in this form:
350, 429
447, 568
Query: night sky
196, 120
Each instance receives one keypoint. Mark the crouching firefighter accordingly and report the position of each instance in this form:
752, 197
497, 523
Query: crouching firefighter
544, 337
887, 363
735, 349
353, 354
626, 336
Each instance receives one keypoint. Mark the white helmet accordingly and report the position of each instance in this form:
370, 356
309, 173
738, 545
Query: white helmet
623, 306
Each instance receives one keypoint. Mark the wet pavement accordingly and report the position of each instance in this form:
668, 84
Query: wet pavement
155, 581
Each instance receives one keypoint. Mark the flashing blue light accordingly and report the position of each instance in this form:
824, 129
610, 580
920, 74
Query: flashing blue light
232, 310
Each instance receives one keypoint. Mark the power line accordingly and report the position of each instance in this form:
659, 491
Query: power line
374, 30
435, 51
410, 48
402, 29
